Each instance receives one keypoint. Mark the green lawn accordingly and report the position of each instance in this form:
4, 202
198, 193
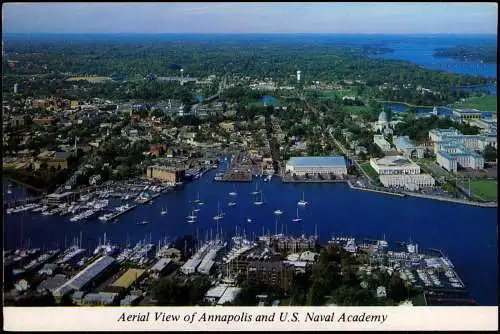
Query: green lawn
483, 103
369, 170
487, 189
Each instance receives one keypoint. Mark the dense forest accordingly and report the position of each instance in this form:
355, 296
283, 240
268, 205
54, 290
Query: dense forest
486, 53
262, 58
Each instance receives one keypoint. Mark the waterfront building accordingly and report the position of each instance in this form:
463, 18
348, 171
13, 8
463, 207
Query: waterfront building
409, 182
452, 148
81, 281
450, 157
405, 146
164, 173
471, 142
315, 165
394, 165
467, 114
380, 141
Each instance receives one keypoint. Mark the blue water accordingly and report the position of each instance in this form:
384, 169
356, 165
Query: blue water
419, 51
467, 234
442, 111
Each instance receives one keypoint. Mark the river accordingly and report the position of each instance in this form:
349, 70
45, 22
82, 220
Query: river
467, 234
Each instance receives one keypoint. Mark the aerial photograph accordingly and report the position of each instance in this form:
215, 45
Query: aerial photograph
249, 154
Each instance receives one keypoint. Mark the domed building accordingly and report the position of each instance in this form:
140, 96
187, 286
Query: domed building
383, 124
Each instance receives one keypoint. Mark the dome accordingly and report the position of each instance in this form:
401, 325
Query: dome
382, 118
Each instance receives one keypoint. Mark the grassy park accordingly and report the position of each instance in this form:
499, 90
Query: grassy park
487, 189
483, 103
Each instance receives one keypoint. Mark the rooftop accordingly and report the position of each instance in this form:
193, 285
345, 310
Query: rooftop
128, 278
395, 161
332, 161
86, 275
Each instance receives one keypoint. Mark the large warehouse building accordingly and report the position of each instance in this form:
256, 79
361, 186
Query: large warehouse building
401, 172
315, 165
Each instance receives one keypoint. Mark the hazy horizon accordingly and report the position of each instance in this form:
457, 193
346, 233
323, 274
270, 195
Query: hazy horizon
251, 18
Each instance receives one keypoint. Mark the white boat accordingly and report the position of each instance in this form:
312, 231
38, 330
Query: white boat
197, 200
192, 216
231, 203
196, 210
256, 190
297, 219
164, 211
302, 202
261, 201
106, 217
278, 212
249, 220
144, 222
9, 191
219, 215
191, 221
233, 193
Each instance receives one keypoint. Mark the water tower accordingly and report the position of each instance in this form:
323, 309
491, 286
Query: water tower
298, 76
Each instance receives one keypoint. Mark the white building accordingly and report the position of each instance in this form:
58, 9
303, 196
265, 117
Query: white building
315, 165
409, 181
383, 125
405, 146
298, 76
229, 295
472, 142
380, 141
394, 165
453, 149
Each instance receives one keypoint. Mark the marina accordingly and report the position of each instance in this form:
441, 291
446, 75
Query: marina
330, 207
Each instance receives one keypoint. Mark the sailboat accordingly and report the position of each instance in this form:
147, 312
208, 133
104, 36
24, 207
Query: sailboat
192, 216
196, 210
249, 220
232, 203
144, 222
302, 202
278, 212
197, 200
259, 202
219, 215
297, 219
164, 211
233, 193
256, 189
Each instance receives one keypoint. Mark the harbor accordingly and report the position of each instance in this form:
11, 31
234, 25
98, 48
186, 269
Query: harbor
329, 207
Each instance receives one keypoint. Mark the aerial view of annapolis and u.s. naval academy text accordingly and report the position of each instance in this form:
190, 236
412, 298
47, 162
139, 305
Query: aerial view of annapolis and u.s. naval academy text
249, 154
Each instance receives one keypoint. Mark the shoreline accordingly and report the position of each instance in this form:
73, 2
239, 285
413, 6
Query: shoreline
432, 197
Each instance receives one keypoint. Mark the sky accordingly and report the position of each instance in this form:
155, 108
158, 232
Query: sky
366, 18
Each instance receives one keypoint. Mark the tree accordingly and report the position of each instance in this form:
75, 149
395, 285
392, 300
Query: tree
490, 153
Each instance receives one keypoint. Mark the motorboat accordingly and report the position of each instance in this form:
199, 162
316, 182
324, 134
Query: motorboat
231, 203
278, 212
144, 222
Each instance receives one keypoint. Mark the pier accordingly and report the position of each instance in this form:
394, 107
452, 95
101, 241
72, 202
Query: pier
118, 214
